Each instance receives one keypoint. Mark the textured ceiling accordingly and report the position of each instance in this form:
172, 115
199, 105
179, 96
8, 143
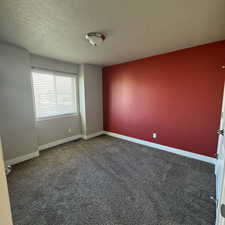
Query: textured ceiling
134, 28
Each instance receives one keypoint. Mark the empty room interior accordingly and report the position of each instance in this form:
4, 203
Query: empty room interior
112, 112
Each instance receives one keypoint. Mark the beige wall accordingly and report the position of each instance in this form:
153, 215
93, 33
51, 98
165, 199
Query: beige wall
53, 64
5, 211
16, 104
57, 128
21, 133
91, 99
82, 99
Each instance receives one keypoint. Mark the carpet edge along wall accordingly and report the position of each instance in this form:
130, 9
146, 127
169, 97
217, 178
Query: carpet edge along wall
177, 95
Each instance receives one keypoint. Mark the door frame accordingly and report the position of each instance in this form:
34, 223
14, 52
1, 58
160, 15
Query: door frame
5, 209
220, 193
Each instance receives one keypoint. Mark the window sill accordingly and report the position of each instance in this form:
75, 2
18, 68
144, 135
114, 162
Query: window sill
58, 117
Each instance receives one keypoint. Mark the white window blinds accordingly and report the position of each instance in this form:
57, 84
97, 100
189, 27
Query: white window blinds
54, 93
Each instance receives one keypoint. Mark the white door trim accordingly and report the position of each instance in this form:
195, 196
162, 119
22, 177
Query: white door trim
220, 168
5, 209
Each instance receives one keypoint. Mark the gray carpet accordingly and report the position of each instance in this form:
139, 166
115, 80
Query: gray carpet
107, 181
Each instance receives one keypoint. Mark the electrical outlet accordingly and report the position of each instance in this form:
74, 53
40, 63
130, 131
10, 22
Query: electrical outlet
69, 130
154, 135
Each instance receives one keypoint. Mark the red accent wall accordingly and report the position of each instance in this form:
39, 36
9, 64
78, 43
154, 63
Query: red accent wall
178, 95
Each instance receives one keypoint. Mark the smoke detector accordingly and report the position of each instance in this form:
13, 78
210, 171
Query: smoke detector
95, 38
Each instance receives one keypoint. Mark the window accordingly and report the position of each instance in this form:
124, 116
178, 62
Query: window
54, 93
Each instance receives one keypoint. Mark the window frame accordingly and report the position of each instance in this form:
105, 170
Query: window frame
76, 97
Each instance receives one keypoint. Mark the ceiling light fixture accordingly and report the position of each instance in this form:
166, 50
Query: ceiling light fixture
95, 38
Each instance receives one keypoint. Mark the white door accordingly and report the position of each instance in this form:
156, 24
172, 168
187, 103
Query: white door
5, 211
220, 173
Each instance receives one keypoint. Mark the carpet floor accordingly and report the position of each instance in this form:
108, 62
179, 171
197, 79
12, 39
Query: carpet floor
108, 181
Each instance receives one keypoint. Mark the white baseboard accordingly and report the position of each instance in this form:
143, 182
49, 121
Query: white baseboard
165, 148
86, 137
50, 145
59, 142
22, 158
